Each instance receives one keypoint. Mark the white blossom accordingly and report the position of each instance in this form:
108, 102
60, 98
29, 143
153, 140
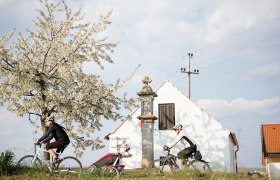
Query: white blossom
42, 75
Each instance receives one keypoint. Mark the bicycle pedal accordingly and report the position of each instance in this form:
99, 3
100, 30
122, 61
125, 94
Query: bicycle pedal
57, 161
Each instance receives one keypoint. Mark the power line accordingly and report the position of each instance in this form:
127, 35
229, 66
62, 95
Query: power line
235, 58
250, 44
250, 29
239, 48
170, 65
232, 59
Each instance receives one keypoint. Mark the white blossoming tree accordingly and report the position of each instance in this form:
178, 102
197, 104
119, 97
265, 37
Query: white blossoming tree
41, 74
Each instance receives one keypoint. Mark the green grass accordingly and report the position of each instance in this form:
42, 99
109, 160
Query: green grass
10, 171
127, 174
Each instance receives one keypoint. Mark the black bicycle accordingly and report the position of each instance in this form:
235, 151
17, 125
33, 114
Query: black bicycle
168, 163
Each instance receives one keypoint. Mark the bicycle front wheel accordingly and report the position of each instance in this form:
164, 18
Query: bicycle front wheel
30, 161
160, 166
69, 165
200, 166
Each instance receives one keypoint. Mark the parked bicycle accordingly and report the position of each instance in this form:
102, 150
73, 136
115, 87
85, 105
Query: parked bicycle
67, 164
168, 163
110, 164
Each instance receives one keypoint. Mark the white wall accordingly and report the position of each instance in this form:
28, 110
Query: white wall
211, 137
274, 170
132, 132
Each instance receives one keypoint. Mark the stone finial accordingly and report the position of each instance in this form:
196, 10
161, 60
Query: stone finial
146, 80
146, 89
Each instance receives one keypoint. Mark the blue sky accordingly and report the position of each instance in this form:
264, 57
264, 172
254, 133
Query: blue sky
235, 45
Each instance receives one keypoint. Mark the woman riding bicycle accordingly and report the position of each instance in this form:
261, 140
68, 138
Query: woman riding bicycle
190, 147
57, 132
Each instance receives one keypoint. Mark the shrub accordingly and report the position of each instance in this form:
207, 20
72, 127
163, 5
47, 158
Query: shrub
7, 167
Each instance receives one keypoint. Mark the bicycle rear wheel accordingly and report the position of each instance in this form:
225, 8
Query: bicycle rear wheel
199, 165
30, 162
69, 165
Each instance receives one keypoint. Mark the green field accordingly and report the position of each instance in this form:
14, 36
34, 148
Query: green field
127, 174
10, 170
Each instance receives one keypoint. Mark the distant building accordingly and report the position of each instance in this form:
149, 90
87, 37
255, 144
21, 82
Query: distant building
217, 144
270, 134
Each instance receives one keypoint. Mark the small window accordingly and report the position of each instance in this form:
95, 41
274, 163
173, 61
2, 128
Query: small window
166, 116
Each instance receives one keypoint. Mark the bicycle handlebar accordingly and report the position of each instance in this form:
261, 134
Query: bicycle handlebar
38, 144
166, 148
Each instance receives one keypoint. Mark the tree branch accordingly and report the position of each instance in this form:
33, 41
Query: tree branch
52, 110
34, 114
30, 93
45, 57
79, 46
6, 61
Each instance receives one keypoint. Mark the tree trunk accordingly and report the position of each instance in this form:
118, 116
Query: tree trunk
44, 129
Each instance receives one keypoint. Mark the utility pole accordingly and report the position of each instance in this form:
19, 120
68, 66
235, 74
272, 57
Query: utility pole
183, 70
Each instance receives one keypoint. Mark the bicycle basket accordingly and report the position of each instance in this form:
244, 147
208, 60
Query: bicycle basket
197, 155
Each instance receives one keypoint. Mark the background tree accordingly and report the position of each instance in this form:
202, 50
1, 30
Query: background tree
42, 75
